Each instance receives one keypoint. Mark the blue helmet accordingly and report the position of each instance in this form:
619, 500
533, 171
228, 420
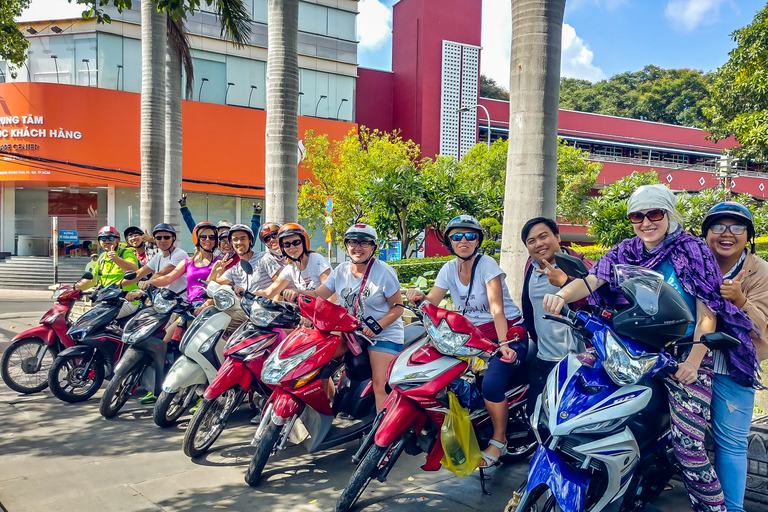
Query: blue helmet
730, 209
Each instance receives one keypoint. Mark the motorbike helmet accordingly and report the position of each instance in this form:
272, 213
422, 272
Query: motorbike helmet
164, 227
462, 222
223, 223
200, 226
658, 326
294, 228
733, 210
362, 232
267, 229
131, 230
240, 227
107, 231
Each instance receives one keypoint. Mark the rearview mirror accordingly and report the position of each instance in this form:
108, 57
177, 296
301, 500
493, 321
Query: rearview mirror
87, 276
571, 265
130, 275
247, 268
720, 341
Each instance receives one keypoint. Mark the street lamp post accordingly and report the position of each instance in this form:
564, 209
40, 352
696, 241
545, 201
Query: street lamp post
88, 68
340, 104
322, 96
251, 94
487, 116
229, 84
56, 63
200, 91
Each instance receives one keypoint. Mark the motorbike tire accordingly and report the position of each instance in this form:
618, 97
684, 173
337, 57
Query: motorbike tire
170, 406
73, 367
520, 453
360, 478
263, 451
119, 391
21, 381
210, 419
538, 501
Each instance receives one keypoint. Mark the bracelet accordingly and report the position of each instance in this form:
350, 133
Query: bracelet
558, 295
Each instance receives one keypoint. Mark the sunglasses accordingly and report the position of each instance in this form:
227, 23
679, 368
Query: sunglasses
295, 243
470, 236
653, 216
168, 237
206, 237
366, 244
223, 238
107, 238
736, 229
269, 238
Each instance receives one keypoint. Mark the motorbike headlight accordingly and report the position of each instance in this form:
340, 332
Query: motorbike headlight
223, 300
161, 304
139, 327
624, 368
206, 346
262, 317
275, 368
450, 342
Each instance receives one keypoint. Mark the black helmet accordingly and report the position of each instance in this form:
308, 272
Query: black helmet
462, 222
734, 210
164, 227
132, 229
657, 326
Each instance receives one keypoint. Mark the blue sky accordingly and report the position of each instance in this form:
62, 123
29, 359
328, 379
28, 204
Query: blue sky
600, 37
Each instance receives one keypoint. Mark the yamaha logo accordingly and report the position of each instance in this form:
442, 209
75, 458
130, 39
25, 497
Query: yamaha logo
563, 415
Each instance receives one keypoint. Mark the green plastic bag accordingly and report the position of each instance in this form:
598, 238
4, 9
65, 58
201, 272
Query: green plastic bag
461, 453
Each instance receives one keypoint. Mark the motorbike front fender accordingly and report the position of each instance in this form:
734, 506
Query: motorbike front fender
401, 414
284, 404
77, 351
231, 373
131, 358
43, 332
568, 484
183, 374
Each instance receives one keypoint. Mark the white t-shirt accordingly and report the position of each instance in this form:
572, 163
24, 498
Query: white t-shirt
159, 262
381, 284
309, 278
476, 309
264, 267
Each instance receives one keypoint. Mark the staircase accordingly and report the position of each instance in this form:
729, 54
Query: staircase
36, 272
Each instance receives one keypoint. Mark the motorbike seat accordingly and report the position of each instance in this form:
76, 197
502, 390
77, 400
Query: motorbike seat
413, 333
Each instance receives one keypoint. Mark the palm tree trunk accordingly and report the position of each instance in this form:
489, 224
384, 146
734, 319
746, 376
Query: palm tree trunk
534, 91
153, 50
173, 138
282, 134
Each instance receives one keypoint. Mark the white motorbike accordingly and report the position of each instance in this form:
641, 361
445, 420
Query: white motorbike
202, 349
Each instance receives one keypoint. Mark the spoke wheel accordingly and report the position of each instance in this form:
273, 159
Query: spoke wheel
19, 365
170, 406
119, 391
70, 383
209, 421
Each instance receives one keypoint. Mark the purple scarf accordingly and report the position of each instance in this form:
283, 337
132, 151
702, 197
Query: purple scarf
698, 273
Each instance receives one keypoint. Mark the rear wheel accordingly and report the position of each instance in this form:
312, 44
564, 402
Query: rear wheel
19, 365
264, 449
119, 391
69, 380
209, 421
361, 478
170, 406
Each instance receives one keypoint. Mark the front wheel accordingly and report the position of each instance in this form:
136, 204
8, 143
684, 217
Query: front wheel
361, 478
119, 391
539, 500
69, 381
209, 421
170, 406
263, 451
19, 367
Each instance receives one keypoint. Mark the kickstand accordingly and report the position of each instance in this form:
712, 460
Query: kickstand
483, 478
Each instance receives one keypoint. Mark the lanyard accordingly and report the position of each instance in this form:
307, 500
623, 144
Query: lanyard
362, 285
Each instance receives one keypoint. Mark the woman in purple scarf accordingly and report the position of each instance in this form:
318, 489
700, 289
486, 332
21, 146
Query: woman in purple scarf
689, 266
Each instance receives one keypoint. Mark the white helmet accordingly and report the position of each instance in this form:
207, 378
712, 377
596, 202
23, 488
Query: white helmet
361, 232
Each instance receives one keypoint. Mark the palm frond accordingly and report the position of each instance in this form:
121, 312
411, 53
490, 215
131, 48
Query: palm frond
235, 21
179, 42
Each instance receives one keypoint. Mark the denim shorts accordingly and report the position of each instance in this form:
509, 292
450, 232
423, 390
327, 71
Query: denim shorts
386, 347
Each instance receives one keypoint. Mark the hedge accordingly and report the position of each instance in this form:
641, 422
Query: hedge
415, 267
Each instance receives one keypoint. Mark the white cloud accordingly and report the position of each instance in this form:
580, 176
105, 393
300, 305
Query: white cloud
497, 38
41, 10
689, 14
374, 23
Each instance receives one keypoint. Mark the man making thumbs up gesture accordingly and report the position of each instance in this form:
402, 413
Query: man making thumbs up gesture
729, 230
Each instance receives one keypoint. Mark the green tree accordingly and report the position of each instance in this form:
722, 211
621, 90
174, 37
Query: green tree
13, 44
490, 89
492, 235
482, 172
576, 177
740, 92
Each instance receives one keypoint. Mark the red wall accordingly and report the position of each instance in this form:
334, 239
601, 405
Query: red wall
375, 92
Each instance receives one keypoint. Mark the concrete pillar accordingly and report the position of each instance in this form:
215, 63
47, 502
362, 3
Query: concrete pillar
8, 220
111, 207
239, 210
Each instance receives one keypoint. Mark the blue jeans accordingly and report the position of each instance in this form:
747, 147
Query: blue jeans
732, 407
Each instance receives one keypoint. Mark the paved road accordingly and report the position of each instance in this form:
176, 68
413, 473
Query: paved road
66, 457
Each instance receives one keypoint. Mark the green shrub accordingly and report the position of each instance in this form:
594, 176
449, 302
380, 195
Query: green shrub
410, 269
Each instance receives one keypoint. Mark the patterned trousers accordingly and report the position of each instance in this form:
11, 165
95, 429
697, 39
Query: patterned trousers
689, 413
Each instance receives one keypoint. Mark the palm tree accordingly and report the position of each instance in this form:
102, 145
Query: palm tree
534, 92
282, 134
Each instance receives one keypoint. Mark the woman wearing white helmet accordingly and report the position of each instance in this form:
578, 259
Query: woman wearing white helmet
369, 289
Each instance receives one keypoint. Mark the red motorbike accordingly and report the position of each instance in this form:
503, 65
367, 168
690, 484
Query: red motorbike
27, 361
240, 374
413, 414
298, 368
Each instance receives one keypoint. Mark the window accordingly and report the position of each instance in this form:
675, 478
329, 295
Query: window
244, 74
326, 95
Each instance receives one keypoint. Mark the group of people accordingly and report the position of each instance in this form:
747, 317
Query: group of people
718, 275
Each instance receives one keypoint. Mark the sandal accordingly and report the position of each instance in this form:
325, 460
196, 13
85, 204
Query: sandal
490, 461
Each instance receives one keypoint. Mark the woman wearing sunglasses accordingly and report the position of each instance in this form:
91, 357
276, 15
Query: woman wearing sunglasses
478, 289
730, 233
689, 266
305, 269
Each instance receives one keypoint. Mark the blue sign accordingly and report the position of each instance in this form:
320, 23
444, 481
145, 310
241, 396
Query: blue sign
329, 205
394, 251
68, 235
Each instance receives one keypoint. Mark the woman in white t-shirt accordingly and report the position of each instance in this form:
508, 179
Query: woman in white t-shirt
306, 270
369, 288
477, 287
